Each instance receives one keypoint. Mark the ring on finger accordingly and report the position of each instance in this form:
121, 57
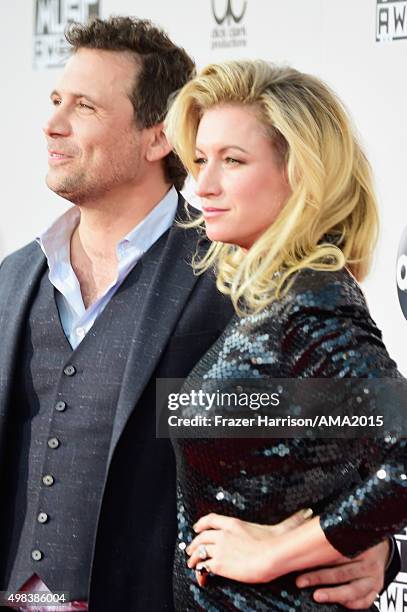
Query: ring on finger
203, 568
202, 552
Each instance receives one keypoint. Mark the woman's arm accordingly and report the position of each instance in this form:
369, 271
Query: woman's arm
257, 553
305, 547
336, 338
252, 553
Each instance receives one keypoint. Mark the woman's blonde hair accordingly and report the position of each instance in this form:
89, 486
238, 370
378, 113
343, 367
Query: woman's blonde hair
330, 219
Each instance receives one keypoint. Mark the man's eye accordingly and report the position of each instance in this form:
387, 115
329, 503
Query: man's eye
55, 102
85, 106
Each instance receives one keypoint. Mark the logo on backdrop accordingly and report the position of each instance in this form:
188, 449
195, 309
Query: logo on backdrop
401, 274
228, 13
50, 20
391, 20
395, 598
230, 30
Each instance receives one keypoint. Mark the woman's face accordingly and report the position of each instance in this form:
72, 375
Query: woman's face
241, 177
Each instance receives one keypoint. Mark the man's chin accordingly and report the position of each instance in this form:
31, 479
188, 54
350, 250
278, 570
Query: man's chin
63, 190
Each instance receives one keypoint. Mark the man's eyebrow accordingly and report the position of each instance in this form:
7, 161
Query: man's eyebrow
54, 92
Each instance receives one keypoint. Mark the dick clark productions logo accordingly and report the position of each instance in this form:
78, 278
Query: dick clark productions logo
402, 273
228, 12
230, 29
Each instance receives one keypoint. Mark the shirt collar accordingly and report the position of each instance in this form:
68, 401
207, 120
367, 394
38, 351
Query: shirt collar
55, 240
145, 234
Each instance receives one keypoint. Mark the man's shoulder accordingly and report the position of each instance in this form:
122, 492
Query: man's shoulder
26, 256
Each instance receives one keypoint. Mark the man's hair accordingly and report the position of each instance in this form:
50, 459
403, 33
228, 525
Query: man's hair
161, 68
330, 220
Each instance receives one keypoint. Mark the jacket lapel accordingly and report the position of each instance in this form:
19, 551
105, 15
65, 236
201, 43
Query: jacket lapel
171, 285
28, 267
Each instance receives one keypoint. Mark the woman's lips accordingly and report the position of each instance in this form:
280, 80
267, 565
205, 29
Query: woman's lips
210, 211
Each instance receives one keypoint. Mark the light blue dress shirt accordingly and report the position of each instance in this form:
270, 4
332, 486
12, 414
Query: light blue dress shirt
55, 242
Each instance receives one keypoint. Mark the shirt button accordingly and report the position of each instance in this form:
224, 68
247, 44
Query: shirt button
48, 480
36, 554
60, 406
42, 517
80, 332
53, 443
69, 370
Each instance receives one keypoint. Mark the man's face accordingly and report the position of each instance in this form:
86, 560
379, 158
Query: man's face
94, 145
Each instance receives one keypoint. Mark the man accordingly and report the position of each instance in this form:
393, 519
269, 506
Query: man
90, 315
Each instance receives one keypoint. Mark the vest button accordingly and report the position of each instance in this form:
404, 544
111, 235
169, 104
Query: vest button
53, 442
36, 554
69, 370
48, 480
60, 406
42, 517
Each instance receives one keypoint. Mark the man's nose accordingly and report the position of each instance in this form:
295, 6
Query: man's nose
208, 182
58, 124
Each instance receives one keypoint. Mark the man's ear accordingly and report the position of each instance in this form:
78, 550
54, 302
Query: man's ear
158, 146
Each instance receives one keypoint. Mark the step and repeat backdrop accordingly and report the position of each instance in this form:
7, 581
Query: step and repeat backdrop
358, 47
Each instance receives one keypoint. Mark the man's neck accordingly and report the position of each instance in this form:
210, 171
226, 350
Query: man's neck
102, 225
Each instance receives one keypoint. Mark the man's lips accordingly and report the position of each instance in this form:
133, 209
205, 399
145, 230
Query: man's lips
211, 211
57, 156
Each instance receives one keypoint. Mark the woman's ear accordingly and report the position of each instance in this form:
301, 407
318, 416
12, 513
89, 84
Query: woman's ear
158, 146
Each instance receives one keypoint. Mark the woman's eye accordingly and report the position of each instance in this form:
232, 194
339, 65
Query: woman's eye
232, 161
200, 161
55, 102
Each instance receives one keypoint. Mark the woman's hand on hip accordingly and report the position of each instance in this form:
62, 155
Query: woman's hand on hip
237, 549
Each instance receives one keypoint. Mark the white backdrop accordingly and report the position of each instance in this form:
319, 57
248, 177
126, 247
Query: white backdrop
333, 39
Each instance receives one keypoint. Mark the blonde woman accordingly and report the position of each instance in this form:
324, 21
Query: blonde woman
289, 207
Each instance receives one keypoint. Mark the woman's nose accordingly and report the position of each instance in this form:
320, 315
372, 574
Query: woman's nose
208, 182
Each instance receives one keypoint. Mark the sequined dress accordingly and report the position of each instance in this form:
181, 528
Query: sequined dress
321, 328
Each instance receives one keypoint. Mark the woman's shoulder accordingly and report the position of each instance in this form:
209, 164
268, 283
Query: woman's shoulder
325, 290
311, 293
320, 327
328, 330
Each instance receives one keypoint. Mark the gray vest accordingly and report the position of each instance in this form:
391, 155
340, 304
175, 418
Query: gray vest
65, 404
